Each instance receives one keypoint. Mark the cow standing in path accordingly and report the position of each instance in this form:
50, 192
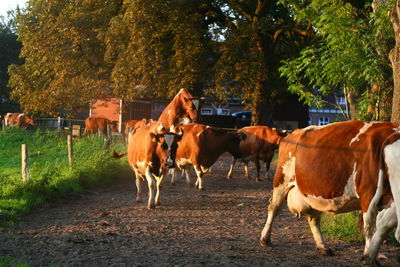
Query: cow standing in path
182, 109
201, 146
260, 144
151, 151
93, 124
335, 169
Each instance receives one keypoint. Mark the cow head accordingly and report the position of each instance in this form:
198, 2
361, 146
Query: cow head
29, 120
167, 144
191, 106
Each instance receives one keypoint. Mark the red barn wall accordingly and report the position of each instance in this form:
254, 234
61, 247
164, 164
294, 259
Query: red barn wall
106, 108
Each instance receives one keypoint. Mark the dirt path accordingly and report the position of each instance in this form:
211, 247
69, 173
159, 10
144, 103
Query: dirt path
217, 227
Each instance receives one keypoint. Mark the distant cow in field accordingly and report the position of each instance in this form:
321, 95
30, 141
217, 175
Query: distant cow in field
151, 151
339, 168
19, 120
201, 146
132, 124
93, 124
260, 144
182, 109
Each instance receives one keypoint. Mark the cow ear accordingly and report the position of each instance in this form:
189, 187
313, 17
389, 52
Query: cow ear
186, 99
154, 137
241, 136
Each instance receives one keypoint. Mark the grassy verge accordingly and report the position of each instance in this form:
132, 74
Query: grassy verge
343, 226
50, 174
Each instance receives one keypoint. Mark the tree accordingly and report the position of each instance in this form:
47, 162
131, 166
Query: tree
257, 35
350, 55
64, 64
158, 47
9, 51
395, 60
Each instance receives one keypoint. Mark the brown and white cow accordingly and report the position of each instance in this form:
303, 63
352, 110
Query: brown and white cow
201, 146
131, 125
335, 169
182, 109
93, 124
260, 144
151, 151
19, 120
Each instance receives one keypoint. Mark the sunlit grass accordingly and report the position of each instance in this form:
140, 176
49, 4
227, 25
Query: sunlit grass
50, 173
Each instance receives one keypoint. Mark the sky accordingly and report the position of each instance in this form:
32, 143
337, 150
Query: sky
6, 5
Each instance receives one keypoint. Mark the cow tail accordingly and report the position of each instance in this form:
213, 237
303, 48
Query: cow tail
372, 212
118, 156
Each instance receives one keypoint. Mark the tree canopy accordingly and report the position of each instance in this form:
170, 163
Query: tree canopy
75, 51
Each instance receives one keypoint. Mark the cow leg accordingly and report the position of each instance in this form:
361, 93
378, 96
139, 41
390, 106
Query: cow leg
246, 169
268, 160
138, 187
314, 222
199, 181
278, 196
258, 167
172, 172
229, 176
159, 186
151, 183
386, 220
187, 176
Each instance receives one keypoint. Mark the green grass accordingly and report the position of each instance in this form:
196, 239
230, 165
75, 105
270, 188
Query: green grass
50, 173
343, 226
10, 262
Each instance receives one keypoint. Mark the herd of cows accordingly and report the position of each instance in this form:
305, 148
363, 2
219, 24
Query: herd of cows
340, 167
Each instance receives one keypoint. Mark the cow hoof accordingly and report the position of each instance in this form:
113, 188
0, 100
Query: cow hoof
138, 200
151, 206
325, 251
158, 204
202, 189
366, 260
265, 242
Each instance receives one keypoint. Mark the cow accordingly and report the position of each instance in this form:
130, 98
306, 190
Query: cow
183, 108
19, 120
201, 146
132, 124
93, 124
335, 168
151, 151
260, 144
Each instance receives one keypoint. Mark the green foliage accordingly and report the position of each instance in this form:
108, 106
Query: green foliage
51, 175
10, 262
64, 56
350, 54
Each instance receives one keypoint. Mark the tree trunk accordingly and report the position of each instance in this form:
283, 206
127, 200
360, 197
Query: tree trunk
394, 57
352, 100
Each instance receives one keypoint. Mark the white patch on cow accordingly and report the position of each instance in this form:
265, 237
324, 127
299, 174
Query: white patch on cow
350, 188
312, 128
20, 115
396, 129
141, 166
288, 168
392, 159
183, 162
366, 126
200, 132
297, 203
172, 128
169, 113
180, 91
160, 127
340, 204
185, 120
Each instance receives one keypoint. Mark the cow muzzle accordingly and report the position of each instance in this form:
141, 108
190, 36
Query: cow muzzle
169, 163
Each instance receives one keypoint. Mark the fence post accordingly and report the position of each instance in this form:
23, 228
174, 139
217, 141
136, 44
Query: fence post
129, 135
25, 167
120, 116
3, 123
59, 124
99, 132
70, 151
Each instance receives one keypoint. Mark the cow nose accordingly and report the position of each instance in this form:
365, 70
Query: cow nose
170, 163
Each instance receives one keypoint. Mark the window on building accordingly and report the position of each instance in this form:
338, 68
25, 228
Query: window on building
206, 111
224, 111
323, 121
341, 100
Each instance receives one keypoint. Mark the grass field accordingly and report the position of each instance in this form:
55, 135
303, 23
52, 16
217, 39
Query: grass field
50, 174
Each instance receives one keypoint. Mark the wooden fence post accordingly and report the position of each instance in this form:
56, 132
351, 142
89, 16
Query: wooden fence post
99, 132
25, 167
3, 123
129, 135
70, 151
59, 123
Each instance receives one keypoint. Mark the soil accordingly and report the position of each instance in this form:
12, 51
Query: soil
216, 227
